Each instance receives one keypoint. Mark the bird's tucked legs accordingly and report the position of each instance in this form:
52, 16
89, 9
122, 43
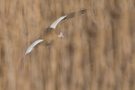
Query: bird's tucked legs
61, 35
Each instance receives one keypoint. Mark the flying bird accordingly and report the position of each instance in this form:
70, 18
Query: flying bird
50, 33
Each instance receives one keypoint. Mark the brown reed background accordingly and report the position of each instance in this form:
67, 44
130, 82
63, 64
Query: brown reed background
97, 52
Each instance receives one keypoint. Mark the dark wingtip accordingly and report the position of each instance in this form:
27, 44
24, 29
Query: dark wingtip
83, 11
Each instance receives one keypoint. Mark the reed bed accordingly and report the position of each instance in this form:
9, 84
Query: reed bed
96, 53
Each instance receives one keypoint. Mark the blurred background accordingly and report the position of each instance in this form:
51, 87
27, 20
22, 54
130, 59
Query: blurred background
97, 52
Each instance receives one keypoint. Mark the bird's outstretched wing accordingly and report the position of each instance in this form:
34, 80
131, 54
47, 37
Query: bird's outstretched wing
65, 17
55, 23
52, 27
35, 43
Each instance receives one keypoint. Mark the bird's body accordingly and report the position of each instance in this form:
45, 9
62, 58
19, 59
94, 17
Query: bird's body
49, 36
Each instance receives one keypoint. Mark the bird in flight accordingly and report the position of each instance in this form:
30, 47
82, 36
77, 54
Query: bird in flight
50, 33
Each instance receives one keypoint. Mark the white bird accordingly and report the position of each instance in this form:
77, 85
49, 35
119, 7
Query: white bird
52, 26
50, 34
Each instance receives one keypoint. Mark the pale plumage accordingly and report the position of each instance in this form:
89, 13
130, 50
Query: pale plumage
35, 43
50, 31
54, 24
30, 48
